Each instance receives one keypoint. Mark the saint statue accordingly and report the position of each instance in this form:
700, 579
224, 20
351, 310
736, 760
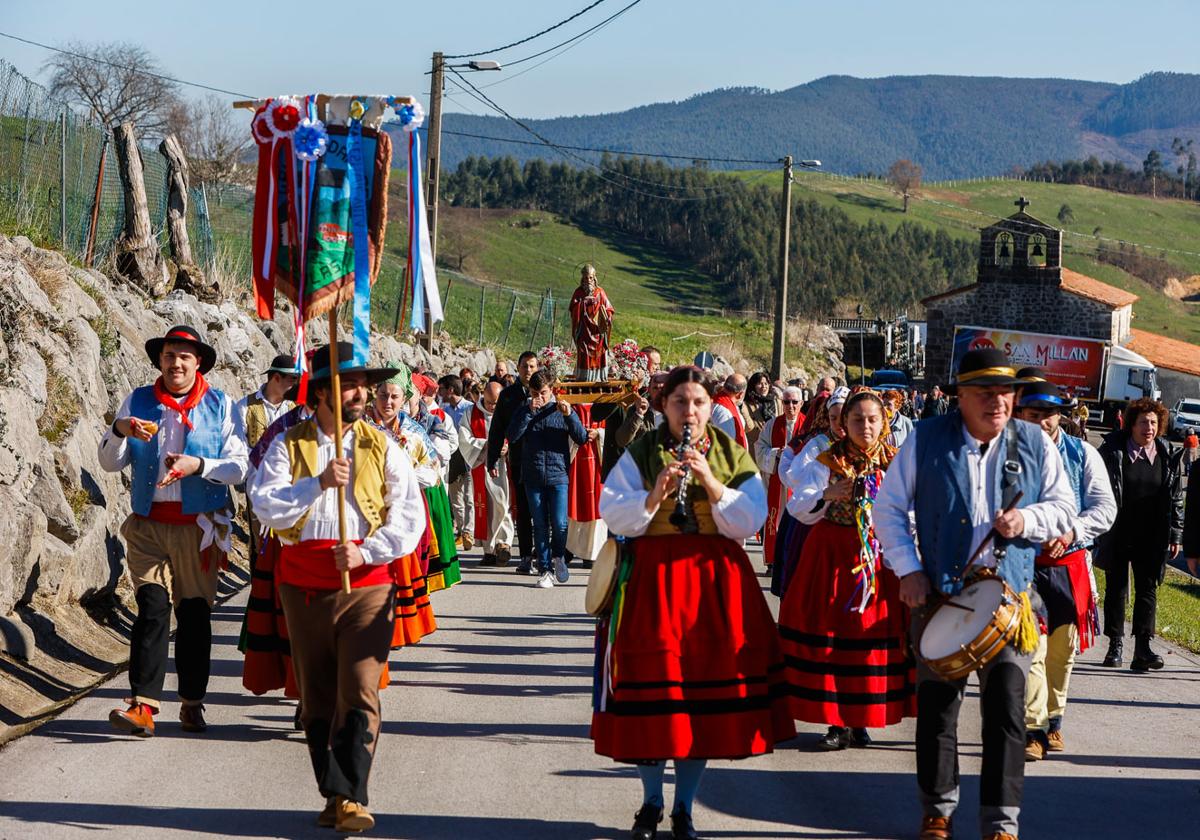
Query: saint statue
591, 325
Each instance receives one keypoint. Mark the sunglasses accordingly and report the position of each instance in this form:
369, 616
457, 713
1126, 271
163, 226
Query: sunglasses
791, 402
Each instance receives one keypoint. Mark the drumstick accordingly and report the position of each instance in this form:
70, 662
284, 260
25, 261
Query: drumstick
991, 535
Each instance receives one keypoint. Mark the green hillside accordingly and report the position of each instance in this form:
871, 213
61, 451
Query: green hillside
1165, 228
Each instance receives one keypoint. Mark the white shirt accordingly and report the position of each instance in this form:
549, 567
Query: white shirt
739, 514
1099, 506
279, 504
792, 471
722, 418
895, 525
273, 411
766, 456
229, 468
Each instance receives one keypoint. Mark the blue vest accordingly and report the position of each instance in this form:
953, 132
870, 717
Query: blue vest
943, 500
204, 440
1073, 455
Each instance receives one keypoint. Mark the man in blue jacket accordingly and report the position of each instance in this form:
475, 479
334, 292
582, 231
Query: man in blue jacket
543, 429
954, 476
179, 440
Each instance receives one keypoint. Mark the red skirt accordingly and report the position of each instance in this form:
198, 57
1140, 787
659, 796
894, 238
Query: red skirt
695, 669
268, 662
843, 667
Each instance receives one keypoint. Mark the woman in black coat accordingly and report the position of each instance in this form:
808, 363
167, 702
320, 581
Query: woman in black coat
1147, 481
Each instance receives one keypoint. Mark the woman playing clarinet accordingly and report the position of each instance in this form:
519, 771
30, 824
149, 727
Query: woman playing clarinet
842, 622
689, 660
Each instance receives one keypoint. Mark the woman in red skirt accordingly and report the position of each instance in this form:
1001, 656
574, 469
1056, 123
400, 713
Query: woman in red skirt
689, 665
842, 622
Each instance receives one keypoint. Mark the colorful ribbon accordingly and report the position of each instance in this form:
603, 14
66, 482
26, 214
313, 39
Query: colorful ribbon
356, 167
421, 273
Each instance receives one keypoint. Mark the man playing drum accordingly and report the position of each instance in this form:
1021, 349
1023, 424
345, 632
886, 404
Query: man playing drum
956, 475
1063, 577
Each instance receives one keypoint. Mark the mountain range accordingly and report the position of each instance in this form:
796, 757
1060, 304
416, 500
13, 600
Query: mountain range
953, 126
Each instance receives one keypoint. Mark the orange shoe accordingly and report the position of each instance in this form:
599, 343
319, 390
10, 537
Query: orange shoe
138, 719
936, 828
1000, 835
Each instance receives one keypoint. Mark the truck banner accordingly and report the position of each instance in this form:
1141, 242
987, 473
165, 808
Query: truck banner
1073, 363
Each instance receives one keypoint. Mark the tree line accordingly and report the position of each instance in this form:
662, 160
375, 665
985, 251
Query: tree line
729, 230
1171, 172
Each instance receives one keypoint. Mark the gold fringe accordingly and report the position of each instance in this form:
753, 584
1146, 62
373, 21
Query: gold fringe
1026, 640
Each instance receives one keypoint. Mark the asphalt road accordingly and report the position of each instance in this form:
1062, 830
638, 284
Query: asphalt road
485, 735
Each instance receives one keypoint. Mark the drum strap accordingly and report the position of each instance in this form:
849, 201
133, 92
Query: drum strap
1009, 482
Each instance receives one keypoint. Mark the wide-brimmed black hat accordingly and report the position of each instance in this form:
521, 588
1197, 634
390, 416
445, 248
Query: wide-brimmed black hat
321, 370
983, 366
282, 363
1031, 374
206, 354
1043, 395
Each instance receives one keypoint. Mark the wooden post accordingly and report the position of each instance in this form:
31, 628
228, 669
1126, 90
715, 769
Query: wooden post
89, 256
335, 393
433, 168
62, 180
781, 290
187, 275
512, 310
538, 322
482, 299
137, 256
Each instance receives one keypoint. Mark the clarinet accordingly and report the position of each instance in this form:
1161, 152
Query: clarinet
679, 517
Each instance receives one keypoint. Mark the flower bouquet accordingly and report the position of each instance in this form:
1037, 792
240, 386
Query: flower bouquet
627, 361
559, 360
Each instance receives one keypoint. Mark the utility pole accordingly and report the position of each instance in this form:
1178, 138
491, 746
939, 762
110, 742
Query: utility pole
432, 171
781, 289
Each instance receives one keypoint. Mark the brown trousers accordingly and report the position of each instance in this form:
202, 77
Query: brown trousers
340, 646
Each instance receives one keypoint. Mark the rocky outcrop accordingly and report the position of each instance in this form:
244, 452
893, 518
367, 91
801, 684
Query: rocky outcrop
71, 348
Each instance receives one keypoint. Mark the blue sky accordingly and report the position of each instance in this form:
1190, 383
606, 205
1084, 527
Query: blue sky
659, 50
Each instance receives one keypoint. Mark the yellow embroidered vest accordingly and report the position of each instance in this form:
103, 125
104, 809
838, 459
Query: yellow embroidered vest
370, 486
256, 418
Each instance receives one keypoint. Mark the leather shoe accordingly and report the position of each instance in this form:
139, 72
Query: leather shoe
1055, 741
936, 828
1035, 750
138, 719
1115, 657
352, 817
191, 718
681, 826
1144, 657
860, 737
503, 554
645, 823
488, 560
837, 738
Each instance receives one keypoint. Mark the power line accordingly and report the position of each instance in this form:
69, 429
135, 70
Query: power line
531, 37
509, 77
585, 32
487, 100
127, 68
610, 151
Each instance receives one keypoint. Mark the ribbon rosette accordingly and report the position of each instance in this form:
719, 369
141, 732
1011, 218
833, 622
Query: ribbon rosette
283, 115
310, 139
411, 114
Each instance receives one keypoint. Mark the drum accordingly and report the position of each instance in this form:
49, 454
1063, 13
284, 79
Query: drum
968, 630
602, 579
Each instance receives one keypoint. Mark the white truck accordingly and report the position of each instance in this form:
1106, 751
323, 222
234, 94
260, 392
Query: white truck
1104, 375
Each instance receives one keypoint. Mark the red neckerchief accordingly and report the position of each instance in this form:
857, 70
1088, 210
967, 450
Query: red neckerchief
166, 399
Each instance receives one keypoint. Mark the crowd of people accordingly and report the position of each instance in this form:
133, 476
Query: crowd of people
873, 510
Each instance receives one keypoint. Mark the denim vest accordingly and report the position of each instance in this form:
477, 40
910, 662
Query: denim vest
1071, 450
943, 500
204, 440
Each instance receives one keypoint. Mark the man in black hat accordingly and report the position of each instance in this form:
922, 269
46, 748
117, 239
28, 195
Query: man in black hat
339, 641
1063, 576
178, 438
961, 475
253, 413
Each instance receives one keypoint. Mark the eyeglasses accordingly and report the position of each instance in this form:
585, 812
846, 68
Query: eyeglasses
791, 402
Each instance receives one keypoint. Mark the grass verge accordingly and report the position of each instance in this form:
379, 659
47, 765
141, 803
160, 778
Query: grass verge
1178, 608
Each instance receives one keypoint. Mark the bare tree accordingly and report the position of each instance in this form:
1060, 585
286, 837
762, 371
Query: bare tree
117, 81
906, 179
215, 140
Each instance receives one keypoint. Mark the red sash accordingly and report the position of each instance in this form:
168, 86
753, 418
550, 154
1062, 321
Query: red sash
583, 496
479, 475
199, 389
309, 565
1081, 590
738, 425
777, 494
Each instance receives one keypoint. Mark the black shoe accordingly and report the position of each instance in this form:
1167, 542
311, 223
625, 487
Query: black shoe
488, 560
860, 737
837, 738
1144, 658
587, 564
681, 826
1115, 657
525, 567
296, 724
645, 823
